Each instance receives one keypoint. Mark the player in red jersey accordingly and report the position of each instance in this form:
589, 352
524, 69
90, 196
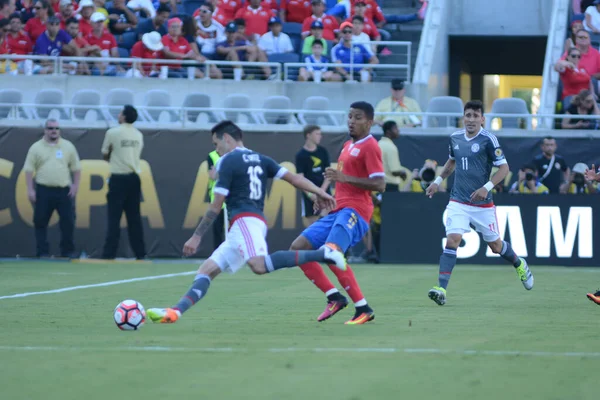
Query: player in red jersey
359, 172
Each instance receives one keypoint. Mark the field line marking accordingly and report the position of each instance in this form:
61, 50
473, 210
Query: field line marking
375, 350
95, 285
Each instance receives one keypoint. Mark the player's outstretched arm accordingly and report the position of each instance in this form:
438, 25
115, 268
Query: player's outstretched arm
191, 246
374, 184
324, 200
446, 172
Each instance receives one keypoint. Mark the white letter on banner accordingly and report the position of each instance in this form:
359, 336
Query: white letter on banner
512, 216
579, 223
472, 242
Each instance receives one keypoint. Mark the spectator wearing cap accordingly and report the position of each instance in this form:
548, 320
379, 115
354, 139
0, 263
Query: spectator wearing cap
576, 26
578, 183
121, 18
149, 47
308, 72
275, 41
53, 42
316, 33
295, 10
210, 32
177, 47
7, 7
345, 53
84, 12
257, 17
158, 23
37, 25
330, 24
100, 7
592, 17
369, 27
398, 102
107, 44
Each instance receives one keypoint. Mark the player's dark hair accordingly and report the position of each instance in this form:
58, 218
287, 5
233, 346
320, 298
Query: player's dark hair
366, 107
308, 129
130, 114
227, 127
530, 166
317, 41
388, 125
358, 18
475, 105
71, 20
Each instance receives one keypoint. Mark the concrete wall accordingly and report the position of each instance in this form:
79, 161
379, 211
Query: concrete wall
500, 17
340, 94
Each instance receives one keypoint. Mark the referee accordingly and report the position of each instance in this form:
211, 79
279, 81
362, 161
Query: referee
218, 227
52, 160
122, 148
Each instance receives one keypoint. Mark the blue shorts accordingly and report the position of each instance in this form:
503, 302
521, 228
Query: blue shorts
319, 233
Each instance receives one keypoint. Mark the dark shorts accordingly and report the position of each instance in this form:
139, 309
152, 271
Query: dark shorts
307, 206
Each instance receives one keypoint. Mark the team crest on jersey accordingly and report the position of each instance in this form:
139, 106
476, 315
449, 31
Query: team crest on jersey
498, 152
557, 165
475, 148
354, 152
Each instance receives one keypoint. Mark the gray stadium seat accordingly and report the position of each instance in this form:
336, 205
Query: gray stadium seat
510, 106
278, 103
316, 118
239, 101
198, 100
161, 99
117, 98
88, 98
12, 96
48, 100
443, 104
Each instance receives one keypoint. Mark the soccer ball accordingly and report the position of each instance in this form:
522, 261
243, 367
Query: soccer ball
129, 315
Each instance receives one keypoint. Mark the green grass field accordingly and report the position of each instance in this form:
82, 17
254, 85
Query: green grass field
256, 337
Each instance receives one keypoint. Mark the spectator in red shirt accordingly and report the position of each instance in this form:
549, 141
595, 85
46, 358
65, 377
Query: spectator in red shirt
107, 44
330, 24
360, 8
150, 47
372, 11
37, 25
85, 49
177, 47
590, 57
18, 41
3, 42
85, 10
225, 10
7, 7
574, 78
66, 12
256, 17
295, 10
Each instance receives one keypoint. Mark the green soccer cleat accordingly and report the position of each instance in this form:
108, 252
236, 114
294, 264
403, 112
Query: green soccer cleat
438, 294
163, 315
525, 274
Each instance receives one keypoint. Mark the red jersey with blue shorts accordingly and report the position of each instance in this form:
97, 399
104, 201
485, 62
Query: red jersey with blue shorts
361, 159
349, 222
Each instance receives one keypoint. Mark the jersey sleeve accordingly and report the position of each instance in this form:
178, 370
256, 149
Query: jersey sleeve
273, 169
106, 143
495, 152
225, 176
374, 162
450, 150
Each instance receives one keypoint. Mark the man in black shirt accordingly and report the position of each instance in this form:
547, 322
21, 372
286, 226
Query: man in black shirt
311, 162
552, 168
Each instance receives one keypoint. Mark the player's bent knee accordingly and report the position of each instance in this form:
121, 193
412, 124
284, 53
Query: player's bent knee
496, 246
257, 265
453, 240
210, 268
301, 243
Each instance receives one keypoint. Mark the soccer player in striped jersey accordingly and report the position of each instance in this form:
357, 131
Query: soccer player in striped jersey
473, 152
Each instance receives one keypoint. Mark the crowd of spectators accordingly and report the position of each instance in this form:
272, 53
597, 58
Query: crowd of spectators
232, 30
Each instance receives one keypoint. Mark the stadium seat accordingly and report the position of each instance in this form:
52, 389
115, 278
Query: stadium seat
443, 104
11, 96
160, 99
88, 98
239, 101
316, 118
48, 100
510, 106
189, 6
198, 100
292, 28
117, 98
278, 117
284, 58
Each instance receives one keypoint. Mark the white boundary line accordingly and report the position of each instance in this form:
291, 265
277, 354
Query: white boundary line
375, 350
95, 285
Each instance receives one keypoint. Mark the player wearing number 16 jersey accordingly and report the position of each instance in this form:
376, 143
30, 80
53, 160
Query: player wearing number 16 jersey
473, 151
359, 172
242, 176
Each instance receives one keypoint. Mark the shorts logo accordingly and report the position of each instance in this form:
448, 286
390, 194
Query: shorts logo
498, 152
448, 222
475, 148
354, 152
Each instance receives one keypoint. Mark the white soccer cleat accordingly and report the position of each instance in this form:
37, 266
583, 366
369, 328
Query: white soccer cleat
525, 274
333, 255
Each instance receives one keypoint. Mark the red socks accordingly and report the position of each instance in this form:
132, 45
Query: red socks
316, 275
348, 282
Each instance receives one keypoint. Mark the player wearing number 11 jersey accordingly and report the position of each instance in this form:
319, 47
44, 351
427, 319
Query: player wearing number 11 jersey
473, 151
242, 176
